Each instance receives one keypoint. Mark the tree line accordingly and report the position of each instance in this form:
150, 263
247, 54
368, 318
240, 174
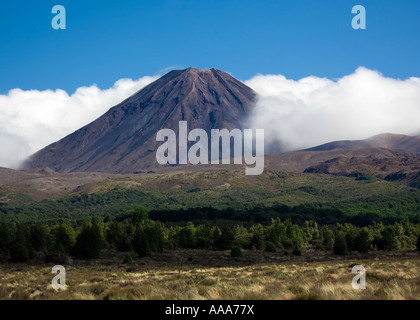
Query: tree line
176, 207
137, 232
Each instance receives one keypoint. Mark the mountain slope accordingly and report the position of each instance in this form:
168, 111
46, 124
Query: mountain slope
386, 140
298, 161
123, 140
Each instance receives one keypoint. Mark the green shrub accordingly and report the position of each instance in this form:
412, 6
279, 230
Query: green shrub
270, 247
296, 252
236, 252
128, 259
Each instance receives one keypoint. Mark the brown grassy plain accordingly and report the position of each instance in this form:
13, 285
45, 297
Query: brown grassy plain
196, 275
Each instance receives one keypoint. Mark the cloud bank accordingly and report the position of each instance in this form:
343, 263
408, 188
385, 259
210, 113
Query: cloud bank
313, 111
32, 119
294, 114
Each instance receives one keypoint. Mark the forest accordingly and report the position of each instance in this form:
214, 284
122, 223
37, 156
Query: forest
136, 232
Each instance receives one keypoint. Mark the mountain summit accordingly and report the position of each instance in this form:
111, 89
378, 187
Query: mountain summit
123, 140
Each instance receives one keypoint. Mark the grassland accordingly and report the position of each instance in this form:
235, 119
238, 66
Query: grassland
195, 274
201, 274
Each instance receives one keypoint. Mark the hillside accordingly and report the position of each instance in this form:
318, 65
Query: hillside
386, 140
219, 190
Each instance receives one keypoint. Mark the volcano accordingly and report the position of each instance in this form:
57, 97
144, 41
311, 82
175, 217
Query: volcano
123, 140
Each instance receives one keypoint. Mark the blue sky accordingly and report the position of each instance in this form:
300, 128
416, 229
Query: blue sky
108, 40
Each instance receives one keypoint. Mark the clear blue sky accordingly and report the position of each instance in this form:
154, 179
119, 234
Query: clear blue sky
108, 40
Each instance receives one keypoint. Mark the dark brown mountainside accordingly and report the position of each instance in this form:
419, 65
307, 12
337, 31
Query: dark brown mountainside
123, 140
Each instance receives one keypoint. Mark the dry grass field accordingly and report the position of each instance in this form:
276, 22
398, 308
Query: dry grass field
195, 274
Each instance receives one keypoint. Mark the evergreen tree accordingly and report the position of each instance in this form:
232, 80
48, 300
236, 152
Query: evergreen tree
294, 236
124, 236
141, 244
352, 234
89, 242
327, 238
310, 231
363, 242
156, 235
21, 249
62, 239
39, 236
340, 245
5, 241
186, 236
112, 231
257, 241
216, 233
139, 216
124, 242
276, 232
389, 239
203, 238
225, 240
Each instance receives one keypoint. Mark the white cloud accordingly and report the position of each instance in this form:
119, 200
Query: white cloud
32, 119
313, 111
294, 114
